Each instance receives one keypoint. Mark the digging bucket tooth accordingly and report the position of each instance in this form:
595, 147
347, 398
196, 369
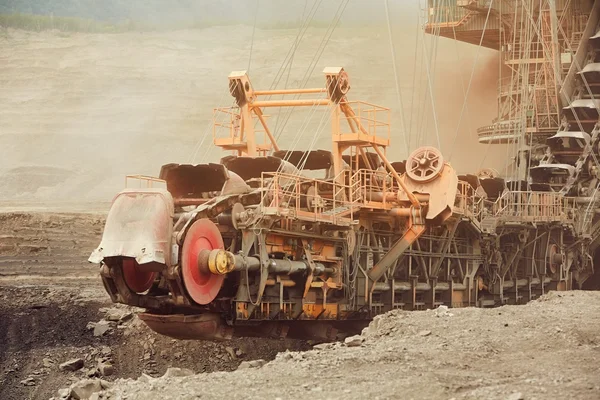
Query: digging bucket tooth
179, 326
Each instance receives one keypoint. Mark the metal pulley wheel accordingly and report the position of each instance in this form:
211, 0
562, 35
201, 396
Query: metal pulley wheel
555, 258
424, 164
202, 285
487, 173
136, 278
343, 83
311, 198
338, 86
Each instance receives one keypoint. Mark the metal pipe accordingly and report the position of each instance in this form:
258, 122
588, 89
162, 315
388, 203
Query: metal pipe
400, 212
586, 200
291, 103
380, 196
261, 118
221, 262
289, 91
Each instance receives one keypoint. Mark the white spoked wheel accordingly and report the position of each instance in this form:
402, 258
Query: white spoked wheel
424, 164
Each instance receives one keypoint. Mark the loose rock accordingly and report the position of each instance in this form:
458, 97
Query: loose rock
117, 315
354, 341
252, 364
177, 372
83, 389
231, 352
71, 365
106, 369
442, 311
28, 382
101, 328
48, 363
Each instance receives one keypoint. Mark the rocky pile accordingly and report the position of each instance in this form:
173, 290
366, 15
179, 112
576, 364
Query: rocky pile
546, 349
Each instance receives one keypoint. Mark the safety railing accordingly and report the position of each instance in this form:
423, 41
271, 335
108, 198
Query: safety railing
373, 119
376, 189
499, 132
468, 203
228, 130
535, 207
308, 198
446, 17
144, 181
227, 123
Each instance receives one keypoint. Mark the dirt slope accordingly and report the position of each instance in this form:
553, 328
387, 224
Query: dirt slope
49, 294
48, 244
45, 324
548, 349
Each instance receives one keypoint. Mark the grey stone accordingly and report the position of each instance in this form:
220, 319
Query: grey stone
178, 372
244, 365
101, 328
515, 396
71, 365
48, 363
231, 352
322, 346
106, 369
257, 363
424, 333
354, 341
252, 364
84, 389
442, 311
106, 351
28, 382
105, 384
117, 315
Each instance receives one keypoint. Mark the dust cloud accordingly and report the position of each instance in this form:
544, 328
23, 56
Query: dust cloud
79, 111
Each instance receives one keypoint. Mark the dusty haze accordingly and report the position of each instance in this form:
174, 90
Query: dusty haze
79, 111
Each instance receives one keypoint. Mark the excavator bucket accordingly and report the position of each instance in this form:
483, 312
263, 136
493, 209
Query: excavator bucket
138, 226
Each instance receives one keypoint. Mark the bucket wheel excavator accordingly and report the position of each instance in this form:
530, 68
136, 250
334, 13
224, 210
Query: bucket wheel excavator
256, 245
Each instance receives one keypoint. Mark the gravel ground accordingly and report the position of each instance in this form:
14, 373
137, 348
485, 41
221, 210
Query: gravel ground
548, 349
45, 324
49, 294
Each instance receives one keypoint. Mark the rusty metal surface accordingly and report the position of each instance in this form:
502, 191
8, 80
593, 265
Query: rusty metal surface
252, 167
310, 160
191, 181
179, 326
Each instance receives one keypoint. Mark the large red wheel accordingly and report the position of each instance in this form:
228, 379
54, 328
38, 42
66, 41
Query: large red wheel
135, 277
202, 286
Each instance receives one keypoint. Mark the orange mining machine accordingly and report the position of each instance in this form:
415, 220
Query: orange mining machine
314, 243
